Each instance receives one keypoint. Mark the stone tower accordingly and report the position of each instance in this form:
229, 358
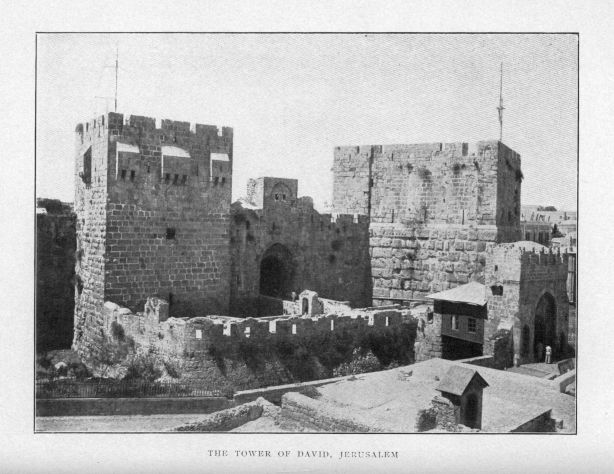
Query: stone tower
433, 209
153, 215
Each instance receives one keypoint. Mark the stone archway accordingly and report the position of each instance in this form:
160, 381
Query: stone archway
545, 326
277, 272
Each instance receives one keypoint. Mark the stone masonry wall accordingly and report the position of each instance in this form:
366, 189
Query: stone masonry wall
325, 253
55, 271
525, 276
409, 263
153, 210
189, 341
90, 206
433, 208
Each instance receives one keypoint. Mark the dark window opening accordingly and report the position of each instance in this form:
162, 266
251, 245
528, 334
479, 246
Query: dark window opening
247, 225
123, 175
215, 181
472, 325
496, 267
132, 175
170, 233
167, 178
283, 196
86, 174
148, 169
223, 180
176, 179
184, 179
277, 196
497, 290
429, 317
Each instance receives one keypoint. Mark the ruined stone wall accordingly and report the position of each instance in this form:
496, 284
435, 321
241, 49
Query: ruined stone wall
433, 208
55, 270
194, 343
152, 217
325, 253
525, 276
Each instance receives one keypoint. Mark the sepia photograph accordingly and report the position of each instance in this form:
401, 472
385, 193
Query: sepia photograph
306, 233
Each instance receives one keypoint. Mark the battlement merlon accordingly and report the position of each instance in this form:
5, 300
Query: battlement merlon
115, 122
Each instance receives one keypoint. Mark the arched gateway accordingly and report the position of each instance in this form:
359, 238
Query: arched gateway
545, 326
277, 271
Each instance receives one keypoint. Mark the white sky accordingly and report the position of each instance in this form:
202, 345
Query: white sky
292, 98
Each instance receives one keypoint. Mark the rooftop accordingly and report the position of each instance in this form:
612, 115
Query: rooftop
458, 378
392, 398
471, 293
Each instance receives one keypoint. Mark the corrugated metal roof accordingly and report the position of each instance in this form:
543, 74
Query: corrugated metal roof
457, 379
470, 293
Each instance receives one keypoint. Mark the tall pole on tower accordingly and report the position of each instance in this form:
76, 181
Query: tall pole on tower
501, 108
116, 68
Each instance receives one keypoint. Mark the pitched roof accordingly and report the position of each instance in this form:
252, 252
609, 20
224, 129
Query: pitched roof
458, 378
470, 293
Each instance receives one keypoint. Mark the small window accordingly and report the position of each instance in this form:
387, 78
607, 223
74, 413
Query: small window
170, 233
215, 181
429, 317
294, 329
283, 197
277, 196
472, 325
497, 290
176, 179
199, 334
387, 321
132, 175
167, 178
148, 169
184, 179
223, 180
248, 331
455, 323
123, 174
332, 324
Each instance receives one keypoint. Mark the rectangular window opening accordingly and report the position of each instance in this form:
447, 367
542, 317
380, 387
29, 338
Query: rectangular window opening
199, 334
472, 325
123, 175
132, 175
455, 323
167, 178
170, 233
184, 179
176, 179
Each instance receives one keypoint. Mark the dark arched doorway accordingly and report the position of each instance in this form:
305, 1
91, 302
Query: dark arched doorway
277, 272
545, 326
471, 411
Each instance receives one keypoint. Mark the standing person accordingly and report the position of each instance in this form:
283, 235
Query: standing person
540, 351
548, 354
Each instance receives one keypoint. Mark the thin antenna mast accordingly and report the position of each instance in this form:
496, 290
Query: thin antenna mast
501, 108
117, 67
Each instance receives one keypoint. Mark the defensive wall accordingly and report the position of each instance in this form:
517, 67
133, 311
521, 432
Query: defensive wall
526, 292
434, 209
153, 217
55, 271
194, 343
280, 244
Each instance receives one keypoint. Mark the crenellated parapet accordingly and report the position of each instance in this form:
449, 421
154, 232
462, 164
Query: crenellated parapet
152, 329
